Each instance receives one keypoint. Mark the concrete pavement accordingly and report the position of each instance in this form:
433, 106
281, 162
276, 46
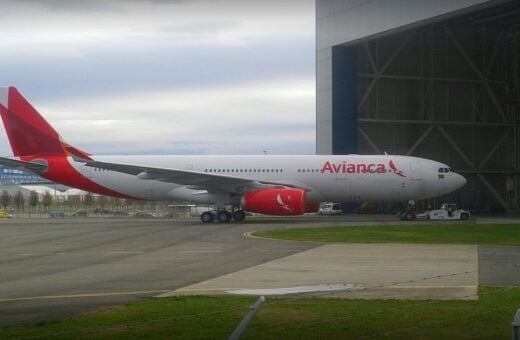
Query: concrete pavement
405, 271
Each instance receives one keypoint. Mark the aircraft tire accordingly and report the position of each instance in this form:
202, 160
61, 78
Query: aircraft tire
409, 216
223, 216
207, 217
239, 215
464, 216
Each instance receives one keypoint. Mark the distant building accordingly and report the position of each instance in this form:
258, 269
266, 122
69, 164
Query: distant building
14, 176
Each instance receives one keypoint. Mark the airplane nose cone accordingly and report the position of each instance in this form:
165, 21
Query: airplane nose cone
461, 181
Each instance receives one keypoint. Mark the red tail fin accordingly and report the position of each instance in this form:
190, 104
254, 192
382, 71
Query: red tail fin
28, 132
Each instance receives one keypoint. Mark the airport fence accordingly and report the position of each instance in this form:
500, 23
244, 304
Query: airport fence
124, 210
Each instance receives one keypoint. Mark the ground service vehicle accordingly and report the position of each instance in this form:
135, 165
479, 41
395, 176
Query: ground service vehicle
330, 209
448, 211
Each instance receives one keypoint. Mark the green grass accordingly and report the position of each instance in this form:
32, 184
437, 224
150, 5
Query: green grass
216, 317
499, 234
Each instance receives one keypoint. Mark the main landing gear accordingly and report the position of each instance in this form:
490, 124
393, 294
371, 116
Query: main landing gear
223, 216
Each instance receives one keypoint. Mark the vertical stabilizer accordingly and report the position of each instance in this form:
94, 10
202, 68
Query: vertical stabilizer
28, 132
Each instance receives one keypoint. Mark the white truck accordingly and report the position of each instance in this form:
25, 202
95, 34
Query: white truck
448, 211
330, 209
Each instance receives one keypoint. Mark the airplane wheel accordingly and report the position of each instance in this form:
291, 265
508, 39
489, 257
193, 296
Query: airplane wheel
409, 216
207, 217
239, 215
223, 216
464, 216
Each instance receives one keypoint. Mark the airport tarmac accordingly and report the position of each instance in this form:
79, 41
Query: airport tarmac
56, 268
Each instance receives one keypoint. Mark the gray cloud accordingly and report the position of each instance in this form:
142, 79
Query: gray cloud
65, 55
66, 5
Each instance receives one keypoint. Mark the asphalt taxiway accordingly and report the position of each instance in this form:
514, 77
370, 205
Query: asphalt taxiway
53, 268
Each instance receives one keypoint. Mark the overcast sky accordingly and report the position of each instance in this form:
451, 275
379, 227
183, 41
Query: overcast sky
166, 77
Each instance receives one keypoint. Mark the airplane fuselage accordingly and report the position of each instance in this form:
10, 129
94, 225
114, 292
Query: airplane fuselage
349, 178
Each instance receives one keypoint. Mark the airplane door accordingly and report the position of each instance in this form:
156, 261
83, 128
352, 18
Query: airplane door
416, 171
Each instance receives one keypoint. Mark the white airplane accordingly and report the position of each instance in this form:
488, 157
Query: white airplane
275, 185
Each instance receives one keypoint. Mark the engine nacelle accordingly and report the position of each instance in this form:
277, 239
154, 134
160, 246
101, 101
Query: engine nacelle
281, 202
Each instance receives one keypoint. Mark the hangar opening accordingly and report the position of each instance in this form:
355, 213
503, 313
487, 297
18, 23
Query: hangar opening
436, 80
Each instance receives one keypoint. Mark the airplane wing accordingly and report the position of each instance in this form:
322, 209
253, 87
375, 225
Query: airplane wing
191, 179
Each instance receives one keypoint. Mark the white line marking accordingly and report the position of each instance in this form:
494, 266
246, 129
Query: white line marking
250, 235
123, 252
299, 289
201, 251
75, 296
38, 254
431, 287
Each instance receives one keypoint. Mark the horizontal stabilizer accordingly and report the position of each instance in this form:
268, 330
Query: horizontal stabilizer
16, 164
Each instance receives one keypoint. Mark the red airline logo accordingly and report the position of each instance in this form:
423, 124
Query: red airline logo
282, 204
353, 168
394, 168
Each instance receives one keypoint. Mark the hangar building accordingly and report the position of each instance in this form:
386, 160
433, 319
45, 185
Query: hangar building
435, 79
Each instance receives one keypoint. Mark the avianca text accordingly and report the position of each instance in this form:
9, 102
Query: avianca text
351, 168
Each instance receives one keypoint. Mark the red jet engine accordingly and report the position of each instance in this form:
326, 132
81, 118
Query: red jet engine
281, 202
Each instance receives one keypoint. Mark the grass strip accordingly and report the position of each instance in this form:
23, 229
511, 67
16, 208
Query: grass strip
290, 318
490, 234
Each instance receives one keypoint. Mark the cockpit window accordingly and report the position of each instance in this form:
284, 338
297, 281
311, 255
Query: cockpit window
441, 170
